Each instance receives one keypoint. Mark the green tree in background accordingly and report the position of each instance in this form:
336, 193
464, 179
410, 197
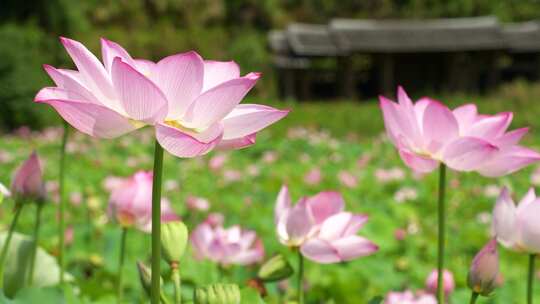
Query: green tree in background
218, 29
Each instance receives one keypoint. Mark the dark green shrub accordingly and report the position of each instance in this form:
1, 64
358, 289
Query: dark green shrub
23, 49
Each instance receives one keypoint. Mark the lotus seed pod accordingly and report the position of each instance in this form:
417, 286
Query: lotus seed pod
217, 294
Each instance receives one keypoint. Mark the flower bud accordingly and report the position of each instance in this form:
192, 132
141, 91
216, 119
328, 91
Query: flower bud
275, 269
174, 239
217, 294
145, 275
28, 181
485, 270
448, 282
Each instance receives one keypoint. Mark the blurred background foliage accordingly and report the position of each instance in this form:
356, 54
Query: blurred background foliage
218, 29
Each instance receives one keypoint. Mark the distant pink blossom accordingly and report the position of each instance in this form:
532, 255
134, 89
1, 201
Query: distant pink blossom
130, 203
428, 133
227, 246
5, 157
535, 177
492, 191
297, 133
363, 160
132, 162
193, 104
408, 297
232, 175
112, 182
196, 203
448, 282
405, 194
69, 235
483, 217
389, 175
454, 183
23, 132
215, 219
253, 170
347, 179
320, 228
400, 234
75, 198
270, 157
313, 177
171, 185
217, 162
52, 189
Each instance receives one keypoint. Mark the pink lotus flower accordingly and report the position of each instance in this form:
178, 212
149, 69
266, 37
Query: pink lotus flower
215, 219
270, 157
427, 133
405, 194
448, 282
313, 177
518, 227
197, 203
408, 297
389, 175
347, 179
363, 160
535, 177
232, 175
28, 180
130, 203
227, 246
192, 103
5, 157
320, 228
69, 235
253, 170
217, 162
112, 182
400, 234
75, 198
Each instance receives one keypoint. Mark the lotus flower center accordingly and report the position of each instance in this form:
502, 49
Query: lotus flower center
137, 124
178, 125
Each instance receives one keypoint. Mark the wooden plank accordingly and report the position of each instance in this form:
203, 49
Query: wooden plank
429, 35
311, 40
522, 37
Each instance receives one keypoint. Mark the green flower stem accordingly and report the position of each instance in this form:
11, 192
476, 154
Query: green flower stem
442, 222
530, 280
175, 276
37, 226
5, 248
300, 282
119, 290
474, 297
156, 224
163, 298
62, 205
